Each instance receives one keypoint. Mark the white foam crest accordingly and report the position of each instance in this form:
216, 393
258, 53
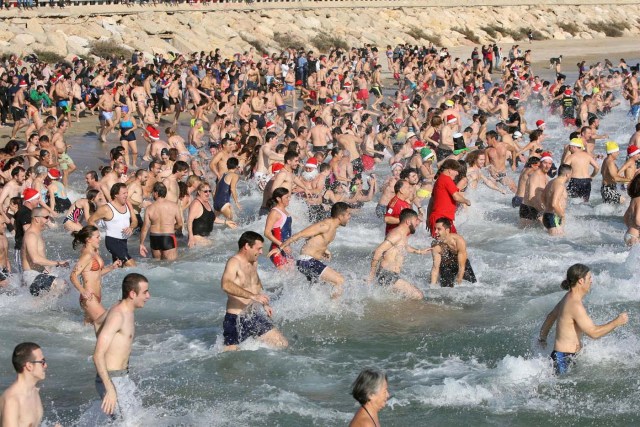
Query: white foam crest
620, 349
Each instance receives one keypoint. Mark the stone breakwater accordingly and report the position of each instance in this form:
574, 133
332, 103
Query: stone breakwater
273, 29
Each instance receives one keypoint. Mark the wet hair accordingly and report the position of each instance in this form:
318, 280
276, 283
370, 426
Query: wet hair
161, 189
406, 172
93, 175
406, 214
446, 222
450, 164
398, 185
634, 187
22, 354
564, 169
277, 193
115, 189
290, 155
232, 163
81, 236
131, 282
368, 383
338, 209
249, 238
180, 166
574, 274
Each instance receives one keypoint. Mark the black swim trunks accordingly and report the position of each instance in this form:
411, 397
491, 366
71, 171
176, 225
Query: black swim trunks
610, 194
551, 220
42, 283
386, 277
162, 242
449, 271
237, 328
117, 248
529, 212
310, 267
579, 188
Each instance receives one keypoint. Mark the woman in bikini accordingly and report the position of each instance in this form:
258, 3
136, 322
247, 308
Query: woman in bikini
87, 274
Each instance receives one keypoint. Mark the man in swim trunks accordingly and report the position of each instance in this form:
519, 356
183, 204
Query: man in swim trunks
35, 273
392, 251
241, 283
573, 320
580, 160
555, 201
610, 177
532, 200
113, 349
450, 261
162, 218
319, 236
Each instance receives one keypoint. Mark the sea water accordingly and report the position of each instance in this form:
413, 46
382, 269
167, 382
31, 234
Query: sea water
463, 356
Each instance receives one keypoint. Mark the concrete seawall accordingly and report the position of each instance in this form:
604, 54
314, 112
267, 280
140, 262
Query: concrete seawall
270, 26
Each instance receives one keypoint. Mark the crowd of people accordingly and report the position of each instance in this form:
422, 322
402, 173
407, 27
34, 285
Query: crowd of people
318, 127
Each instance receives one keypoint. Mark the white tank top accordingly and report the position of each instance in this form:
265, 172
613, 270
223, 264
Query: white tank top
119, 222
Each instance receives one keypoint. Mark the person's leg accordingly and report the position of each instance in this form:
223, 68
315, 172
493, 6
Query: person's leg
334, 278
169, 254
407, 290
274, 338
227, 211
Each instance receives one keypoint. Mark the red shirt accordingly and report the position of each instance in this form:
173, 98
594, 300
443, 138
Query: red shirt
443, 203
394, 208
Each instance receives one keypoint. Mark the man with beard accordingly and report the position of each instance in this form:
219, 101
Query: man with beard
392, 251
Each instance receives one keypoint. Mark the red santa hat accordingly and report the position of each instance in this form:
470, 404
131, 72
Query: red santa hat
153, 133
30, 194
54, 173
312, 162
451, 118
632, 150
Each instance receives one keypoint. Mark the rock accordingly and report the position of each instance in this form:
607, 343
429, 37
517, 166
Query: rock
24, 39
77, 45
559, 35
80, 41
33, 26
6, 35
57, 42
309, 22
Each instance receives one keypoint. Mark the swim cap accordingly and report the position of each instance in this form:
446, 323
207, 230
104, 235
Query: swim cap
449, 103
577, 142
125, 109
451, 118
612, 147
426, 154
632, 150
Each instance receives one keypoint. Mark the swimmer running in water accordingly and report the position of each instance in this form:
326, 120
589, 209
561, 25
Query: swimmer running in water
573, 320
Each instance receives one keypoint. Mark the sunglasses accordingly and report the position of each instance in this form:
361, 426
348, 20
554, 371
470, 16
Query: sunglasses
43, 361
206, 191
45, 217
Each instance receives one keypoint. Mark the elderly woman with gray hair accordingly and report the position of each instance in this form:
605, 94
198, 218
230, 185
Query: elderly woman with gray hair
370, 390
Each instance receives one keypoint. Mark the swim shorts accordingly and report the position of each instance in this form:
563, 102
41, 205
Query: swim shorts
562, 361
449, 272
363, 95
18, 113
129, 404
105, 115
310, 267
529, 212
131, 136
551, 220
610, 194
386, 277
162, 241
579, 188
38, 282
443, 153
237, 328
117, 248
